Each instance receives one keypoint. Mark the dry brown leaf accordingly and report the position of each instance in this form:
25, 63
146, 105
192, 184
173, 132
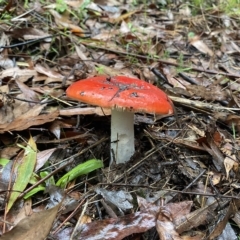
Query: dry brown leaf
13, 109
168, 215
42, 157
80, 53
29, 33
55, 128
21, 74
195, 218
9, 152
215, 177
236, 218
4, 89
190, 144
109, 45
33, 227
30, 118
65, 23
200, 45
145, 219
201, 133
210, 93
75, 3
223, 222
166, 230
48, 72
229, 163
109, 71
106, 34
193, 236
20, 211
28, 93
4, 40
55, 92
6, 63
170, 74
122, 17
218, 158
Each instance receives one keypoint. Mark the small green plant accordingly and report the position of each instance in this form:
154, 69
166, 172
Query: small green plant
81, 169
61, 6
166, 54
100, 69
82, 11
230, 7
131, 27
6, 16
26, 4
180, 68
132, 59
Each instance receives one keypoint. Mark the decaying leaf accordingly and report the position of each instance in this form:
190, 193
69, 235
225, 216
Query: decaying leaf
120, 199
33, 227
65, 23
138, 222
200, 45
21, 74
29, 33
210, 93
28, 93
229, 163
30, 118
42, 157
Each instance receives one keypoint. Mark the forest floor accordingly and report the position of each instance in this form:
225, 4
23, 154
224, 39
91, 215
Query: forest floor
56, 178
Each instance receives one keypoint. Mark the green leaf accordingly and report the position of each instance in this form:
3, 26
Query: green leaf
34, 179
81, 169
34, 191
49, 180
23, 169
4, 161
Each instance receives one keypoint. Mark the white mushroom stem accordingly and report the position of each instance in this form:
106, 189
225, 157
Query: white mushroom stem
122, 136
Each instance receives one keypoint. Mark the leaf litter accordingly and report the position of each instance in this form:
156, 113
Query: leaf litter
187, 163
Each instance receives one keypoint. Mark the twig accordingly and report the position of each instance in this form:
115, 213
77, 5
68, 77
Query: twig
202, 105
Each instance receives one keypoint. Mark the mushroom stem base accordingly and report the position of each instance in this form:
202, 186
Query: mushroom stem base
122, 136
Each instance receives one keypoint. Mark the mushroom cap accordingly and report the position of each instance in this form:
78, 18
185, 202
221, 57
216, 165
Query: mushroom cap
122, 93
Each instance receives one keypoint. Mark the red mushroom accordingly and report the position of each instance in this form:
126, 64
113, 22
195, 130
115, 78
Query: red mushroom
124, 95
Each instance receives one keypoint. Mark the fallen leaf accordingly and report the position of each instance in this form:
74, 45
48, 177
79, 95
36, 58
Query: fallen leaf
200, 45
28, 93
65, 23
31, 118
210, 93
33, 227
21, 74
29, 33
141, 221
42, 158
48, 72
23, 169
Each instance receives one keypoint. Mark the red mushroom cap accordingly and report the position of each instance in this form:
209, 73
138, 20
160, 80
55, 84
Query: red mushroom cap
121, 92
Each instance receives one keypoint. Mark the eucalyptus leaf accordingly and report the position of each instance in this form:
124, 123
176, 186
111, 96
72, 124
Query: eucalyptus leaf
23, 169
